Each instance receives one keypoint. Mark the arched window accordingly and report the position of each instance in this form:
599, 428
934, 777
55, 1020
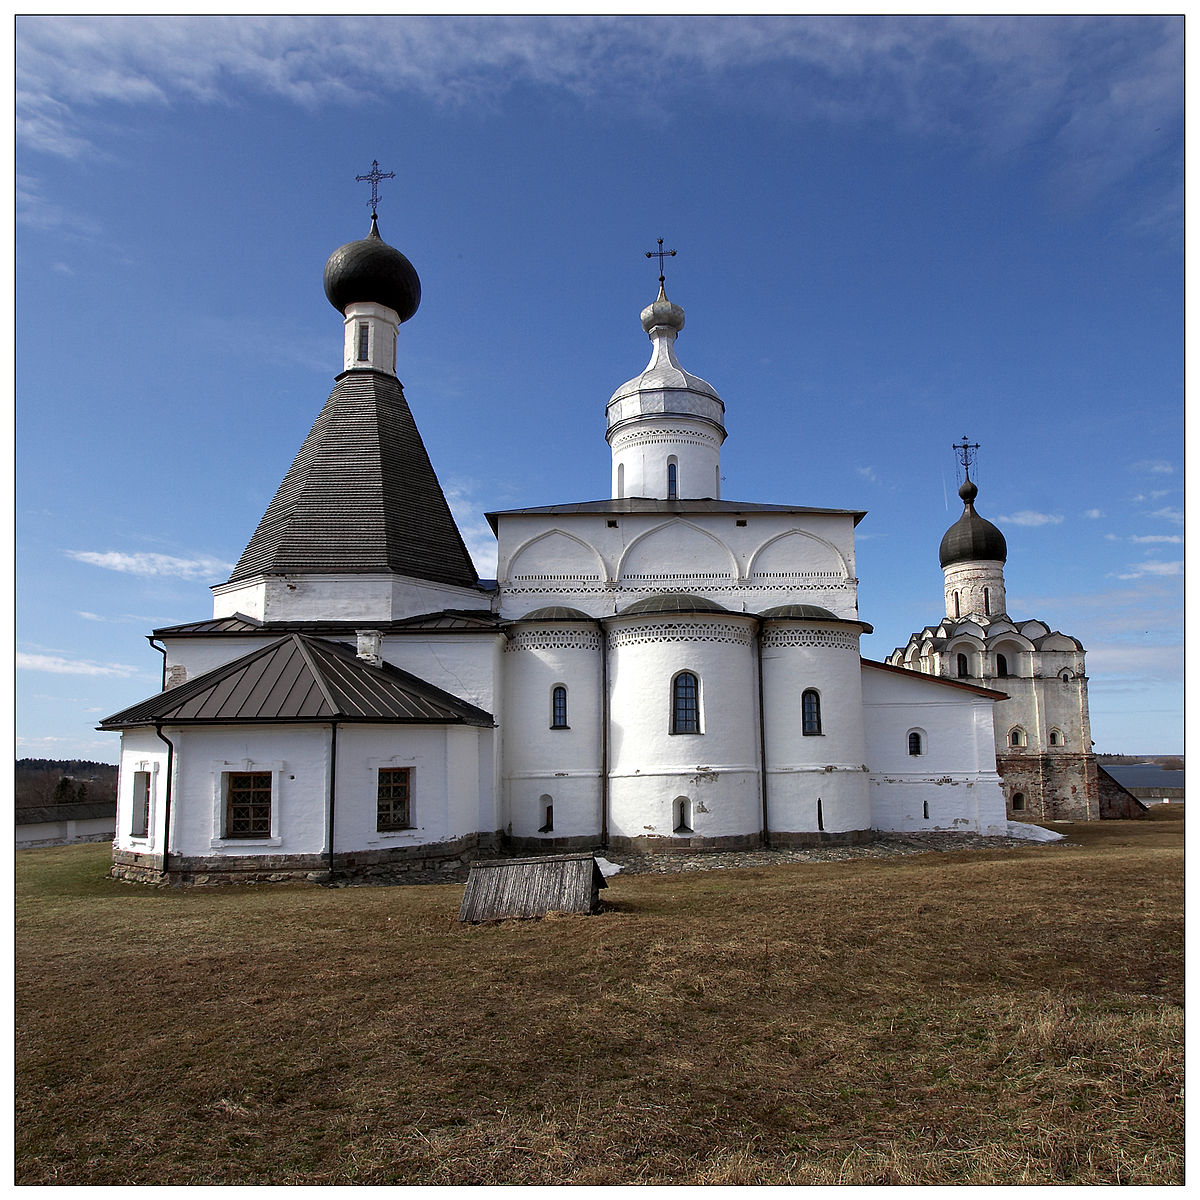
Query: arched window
547, 803
1018, 802
956, 607
1056, 738
1066, 677
961, 663
685, 703
620, 481
914, 743
672, 479
810, 709
558, 707
1001, 665
987, 602
683, 815
1016, 736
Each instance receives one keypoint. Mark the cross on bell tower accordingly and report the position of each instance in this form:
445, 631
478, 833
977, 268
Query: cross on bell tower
373, 178
965, 452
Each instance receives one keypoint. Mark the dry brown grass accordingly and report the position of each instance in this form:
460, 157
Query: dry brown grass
977, 1017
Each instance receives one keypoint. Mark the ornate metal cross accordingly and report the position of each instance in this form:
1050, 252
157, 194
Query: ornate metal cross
660, 254
375, 176
966, 453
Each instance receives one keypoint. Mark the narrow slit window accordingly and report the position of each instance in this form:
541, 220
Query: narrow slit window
685, 703
394, 799
558, 708
957, 613
364, 341
672, 481
987, 602
810, 710
925, 809
140, 824
547, 826
683, 815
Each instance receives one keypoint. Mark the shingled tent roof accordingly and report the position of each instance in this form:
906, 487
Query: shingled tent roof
360, 497
297, 679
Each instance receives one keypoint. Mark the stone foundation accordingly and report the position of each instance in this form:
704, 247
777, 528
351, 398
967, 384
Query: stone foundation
1054, 787
202, 870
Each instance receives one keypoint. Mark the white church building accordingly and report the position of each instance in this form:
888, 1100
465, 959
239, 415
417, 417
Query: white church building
661, 670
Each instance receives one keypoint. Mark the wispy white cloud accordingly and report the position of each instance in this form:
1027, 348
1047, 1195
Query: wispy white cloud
476, 533
1154, 466
58, 665
152, 565
1169, 514
1028, 517
1172, 538
1093, 514
867, 473
1088, 89
1153, 567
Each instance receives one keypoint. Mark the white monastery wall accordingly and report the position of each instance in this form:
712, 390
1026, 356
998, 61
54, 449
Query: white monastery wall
952, 784
465, 665
542, 764
141, 750
321, 597
644, 449
651, 768
582, 561
816, 782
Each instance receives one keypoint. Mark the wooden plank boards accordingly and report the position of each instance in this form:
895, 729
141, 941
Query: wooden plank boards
532, 887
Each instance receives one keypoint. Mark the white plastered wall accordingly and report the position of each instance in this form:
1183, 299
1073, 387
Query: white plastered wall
955, 774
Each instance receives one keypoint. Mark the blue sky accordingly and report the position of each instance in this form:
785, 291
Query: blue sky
891, 232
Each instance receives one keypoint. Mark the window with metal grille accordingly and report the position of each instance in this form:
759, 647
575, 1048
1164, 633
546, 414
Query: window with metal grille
364, 341
395, 798
558, 708
810, 708
685, 703
140, 824
248, 796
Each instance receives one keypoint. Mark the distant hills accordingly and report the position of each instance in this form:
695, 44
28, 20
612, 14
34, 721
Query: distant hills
41, 781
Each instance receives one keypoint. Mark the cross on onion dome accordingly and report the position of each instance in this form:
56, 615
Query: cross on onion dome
660, 254
373, 178
966, 454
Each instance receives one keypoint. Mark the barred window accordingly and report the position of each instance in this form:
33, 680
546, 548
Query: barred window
364, 341
558, 708
248, 813
685, 703
810, 708
395, 798
140, 824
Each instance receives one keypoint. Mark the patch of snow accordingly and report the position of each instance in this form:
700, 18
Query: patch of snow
606, 868
1033, 833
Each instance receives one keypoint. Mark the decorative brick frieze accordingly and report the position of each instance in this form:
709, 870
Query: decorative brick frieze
826, 639
683, 631
556, 639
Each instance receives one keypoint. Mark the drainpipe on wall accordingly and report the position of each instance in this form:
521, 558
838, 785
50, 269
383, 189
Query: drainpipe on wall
333, 728
166, 848
762, 741
163, 651
604, 717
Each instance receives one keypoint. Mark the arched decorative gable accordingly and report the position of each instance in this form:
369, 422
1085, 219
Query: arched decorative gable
553, 556
676, 553
798, 552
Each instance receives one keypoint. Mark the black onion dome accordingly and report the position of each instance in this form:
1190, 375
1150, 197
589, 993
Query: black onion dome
673, 602
971, 538
370, 271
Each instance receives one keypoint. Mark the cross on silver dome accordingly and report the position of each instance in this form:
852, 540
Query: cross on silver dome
660, 254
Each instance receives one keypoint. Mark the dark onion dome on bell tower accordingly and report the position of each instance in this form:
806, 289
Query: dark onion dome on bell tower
971, 538
370, 271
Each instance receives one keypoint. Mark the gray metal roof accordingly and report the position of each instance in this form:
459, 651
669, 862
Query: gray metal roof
361, 496
300, 678
459, 620
643, 504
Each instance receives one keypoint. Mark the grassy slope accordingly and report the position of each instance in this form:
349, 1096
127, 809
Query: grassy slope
982, 1017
